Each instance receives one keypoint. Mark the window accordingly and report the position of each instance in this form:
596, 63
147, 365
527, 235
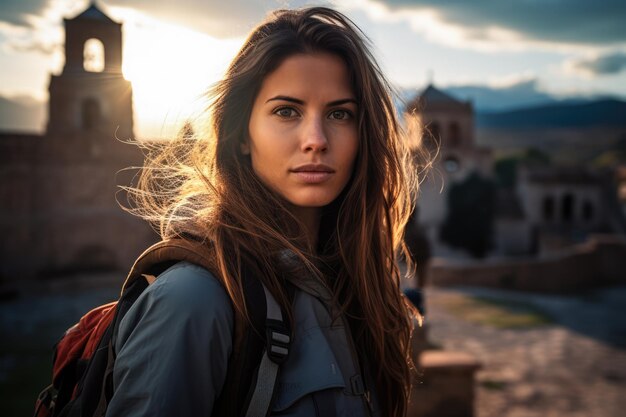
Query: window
90, 114
567, 208
93, 56
451, 164
587, 211
455, 135
548, 208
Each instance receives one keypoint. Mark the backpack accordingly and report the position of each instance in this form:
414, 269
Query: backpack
84, 357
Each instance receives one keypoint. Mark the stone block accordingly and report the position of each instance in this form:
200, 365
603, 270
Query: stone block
445, 385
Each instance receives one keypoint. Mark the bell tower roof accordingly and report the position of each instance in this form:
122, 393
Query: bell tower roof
433, 99
94, 13
433, 94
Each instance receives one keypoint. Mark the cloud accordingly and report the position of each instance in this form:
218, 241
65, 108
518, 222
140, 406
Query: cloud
45, 40
231, 18
34, 25
217, 18
557, 21
21, 12
224, 19
518, 83
35, 45
608, 64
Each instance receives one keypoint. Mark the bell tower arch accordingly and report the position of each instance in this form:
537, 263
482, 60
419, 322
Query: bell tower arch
91, 86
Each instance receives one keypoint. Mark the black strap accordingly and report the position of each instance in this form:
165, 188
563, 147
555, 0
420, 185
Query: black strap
324, 402
278, 339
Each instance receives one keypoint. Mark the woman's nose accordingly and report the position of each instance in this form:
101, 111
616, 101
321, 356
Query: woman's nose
314, 137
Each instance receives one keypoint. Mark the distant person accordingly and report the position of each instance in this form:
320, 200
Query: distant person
306, 182
419, 252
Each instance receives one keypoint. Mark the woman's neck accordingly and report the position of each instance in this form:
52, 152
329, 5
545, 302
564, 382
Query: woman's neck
310, 218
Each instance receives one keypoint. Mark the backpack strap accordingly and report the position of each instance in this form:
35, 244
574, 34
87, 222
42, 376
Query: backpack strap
276, 351
160, 256
166, 253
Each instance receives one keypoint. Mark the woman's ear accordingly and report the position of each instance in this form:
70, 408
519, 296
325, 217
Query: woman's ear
244, 147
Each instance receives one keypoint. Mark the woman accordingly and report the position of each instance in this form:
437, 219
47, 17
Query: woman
306, 168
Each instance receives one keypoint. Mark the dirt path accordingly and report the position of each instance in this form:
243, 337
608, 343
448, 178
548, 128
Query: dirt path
574, 366
31, 321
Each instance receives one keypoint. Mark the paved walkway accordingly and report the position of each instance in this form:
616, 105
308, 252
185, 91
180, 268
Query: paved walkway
574, 367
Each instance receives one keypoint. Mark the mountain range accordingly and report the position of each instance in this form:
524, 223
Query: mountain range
568, 114
575, 129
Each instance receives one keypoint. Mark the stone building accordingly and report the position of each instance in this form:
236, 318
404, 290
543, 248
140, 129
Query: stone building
58, 208
91, 93
447, 129
512, 234
562, 205
548, 208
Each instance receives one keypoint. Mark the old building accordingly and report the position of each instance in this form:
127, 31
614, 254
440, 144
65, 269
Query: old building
548, 207
447, 129
562, 205
58, 208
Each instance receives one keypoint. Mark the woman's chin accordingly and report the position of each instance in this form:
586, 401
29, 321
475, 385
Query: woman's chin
312, 201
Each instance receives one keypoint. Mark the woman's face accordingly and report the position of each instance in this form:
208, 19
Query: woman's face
302, 131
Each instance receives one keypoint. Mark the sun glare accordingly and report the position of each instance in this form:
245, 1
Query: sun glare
170, 68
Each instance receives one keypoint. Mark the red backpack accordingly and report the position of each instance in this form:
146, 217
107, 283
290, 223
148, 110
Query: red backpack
82, 375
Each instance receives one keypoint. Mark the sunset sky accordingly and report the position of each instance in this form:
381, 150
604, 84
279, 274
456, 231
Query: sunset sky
175, 49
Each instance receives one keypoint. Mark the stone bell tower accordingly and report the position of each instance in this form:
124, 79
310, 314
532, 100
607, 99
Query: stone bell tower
72, 220
91, 95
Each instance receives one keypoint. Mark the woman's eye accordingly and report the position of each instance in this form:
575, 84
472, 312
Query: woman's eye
340, 114
286, 112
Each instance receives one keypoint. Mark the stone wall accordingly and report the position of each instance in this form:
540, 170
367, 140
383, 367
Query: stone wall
600, 261
58, 207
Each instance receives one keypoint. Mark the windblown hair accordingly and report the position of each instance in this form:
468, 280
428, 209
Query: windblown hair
206, 187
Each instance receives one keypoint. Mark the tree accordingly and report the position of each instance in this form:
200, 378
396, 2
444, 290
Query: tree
186, 132
471, 210
506, 168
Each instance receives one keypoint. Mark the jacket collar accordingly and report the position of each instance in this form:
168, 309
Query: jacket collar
299, 275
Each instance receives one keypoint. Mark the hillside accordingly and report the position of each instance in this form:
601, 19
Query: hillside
610, 113
22, 114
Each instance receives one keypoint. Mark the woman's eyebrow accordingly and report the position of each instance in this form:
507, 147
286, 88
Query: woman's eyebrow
286, 98
342, 101
301, 102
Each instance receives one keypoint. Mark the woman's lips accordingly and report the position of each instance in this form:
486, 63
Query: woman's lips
312, 177
313, 173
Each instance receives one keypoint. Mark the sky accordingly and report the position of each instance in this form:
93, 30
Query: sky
174, 50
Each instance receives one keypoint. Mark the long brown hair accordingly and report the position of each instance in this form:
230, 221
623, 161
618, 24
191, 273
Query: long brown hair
205, 186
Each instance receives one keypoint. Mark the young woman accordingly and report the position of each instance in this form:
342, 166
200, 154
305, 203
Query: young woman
305, 166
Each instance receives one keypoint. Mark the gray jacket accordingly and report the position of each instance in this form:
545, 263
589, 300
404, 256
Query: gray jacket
175, 341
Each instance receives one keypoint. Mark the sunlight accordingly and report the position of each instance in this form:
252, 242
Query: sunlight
170, 68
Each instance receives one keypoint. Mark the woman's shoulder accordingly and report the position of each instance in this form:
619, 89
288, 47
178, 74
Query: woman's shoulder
187, 282
184, 293
173, 346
